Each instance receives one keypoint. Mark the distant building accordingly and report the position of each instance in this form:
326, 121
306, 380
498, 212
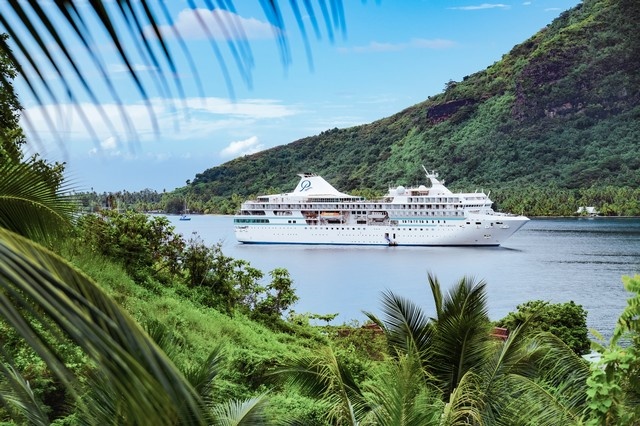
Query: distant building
587, 211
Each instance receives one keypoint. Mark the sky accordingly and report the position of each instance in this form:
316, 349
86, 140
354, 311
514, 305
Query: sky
389, 56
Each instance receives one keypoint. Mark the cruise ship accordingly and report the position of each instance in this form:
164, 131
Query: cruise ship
317, 213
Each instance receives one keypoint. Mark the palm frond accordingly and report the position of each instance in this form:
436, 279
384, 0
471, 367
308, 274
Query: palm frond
136, 32
201, 377
543, 406
462, 333
28, 204
465, 403
538, 370
38, 287
436, 292
324, 377
405, 325
399, 398
249, 412
17, 395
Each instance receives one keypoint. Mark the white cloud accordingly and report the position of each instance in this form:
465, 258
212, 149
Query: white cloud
526, 3
110, 143
483, 6
244, 147
175, 120
107, 147
219, 24
416, 43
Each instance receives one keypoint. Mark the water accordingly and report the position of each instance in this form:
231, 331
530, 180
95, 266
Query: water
556, 260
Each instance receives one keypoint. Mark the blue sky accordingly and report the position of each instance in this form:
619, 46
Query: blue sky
392, 55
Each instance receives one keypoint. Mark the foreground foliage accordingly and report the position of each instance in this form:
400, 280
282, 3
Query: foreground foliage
435, 368
448, 369
614, 385
46, 300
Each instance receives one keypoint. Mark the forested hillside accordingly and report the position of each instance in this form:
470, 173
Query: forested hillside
561, 110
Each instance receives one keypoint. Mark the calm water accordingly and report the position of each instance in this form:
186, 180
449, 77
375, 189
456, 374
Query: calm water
556, 260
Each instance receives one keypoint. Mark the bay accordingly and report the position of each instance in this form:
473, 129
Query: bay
556, 260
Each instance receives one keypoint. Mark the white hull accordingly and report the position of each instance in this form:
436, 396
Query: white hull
447, 233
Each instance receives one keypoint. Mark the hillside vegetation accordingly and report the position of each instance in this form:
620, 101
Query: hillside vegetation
560, 111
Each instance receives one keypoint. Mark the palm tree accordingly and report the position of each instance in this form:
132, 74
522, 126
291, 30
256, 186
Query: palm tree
449, 344
479, 375
449, 370
325, 377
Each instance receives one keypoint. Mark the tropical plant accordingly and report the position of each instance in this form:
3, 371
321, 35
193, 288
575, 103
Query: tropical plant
325, 376
398, 397
46, 300
142, 243
30, 204
479, 375
614, 384
567, 321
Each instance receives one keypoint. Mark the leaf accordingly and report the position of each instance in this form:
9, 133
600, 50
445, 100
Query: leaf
38, 287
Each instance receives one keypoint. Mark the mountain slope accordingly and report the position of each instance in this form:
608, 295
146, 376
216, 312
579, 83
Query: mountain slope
561, 109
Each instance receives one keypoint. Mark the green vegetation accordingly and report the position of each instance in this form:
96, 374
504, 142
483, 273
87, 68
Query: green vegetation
224, 333
567, 321
552, 126
118, 320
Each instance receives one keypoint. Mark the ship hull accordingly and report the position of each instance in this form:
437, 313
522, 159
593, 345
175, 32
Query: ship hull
463, 232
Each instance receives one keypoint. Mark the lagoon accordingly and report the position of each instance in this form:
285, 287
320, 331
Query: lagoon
556, 260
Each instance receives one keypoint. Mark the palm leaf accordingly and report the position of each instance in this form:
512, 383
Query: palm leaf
464, 402
249, 412
398, 398
17, 395
28, 204
34, 27
462, 333
537, 370
405, 325
323, 376
201, 377
38, 287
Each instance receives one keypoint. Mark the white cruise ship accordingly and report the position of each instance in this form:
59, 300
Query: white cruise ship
317, 213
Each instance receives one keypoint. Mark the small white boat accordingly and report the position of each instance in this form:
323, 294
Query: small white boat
185, 211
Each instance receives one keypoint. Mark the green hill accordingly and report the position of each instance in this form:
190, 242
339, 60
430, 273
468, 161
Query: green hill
560, 110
